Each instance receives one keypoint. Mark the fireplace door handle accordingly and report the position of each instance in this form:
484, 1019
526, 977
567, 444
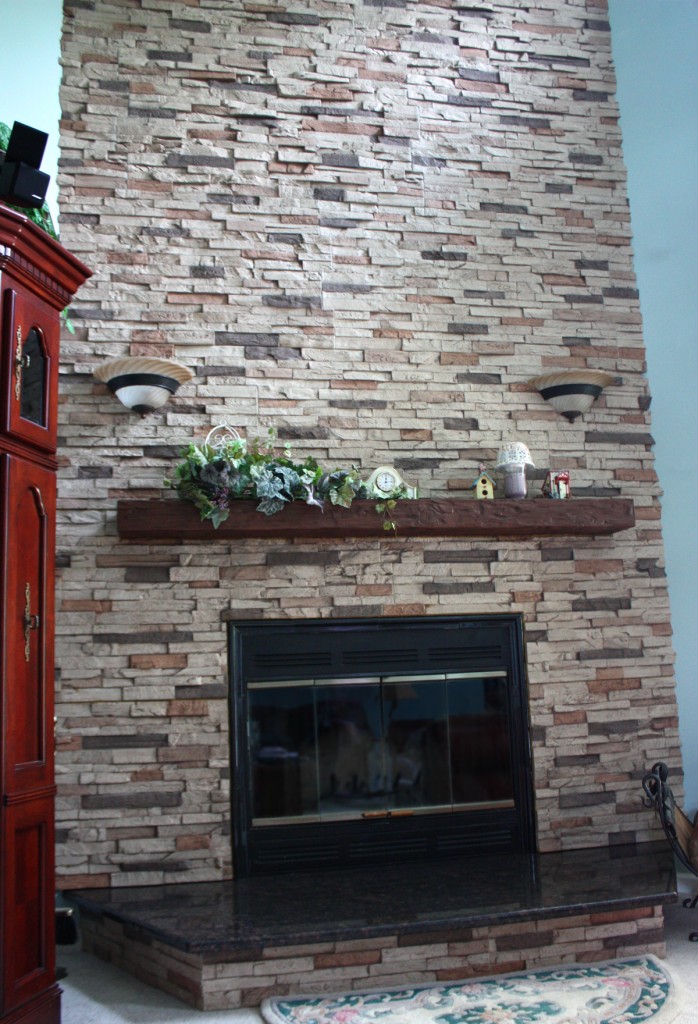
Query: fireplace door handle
30, 622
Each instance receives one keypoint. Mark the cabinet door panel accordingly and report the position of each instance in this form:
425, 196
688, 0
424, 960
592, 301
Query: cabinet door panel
27, 634
28, 928
31, 338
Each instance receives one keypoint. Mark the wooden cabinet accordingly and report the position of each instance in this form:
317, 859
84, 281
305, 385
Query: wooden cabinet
38, 278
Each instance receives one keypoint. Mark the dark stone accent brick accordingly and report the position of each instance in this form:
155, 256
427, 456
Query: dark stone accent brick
414, 464
207, 271
61, 835
458, 100
473, 377
356, 611
468, 328
604, 653
473, 75
339, 286
538, 734
287, 18
592, 159
458, 588
644, 402
151, 798
282, 239
174, 55
189, 25
464, 423
590, 95
617, 437
651, 567
474, 555
116, 85
226, 198
198, 160
357, 403
482, 293
90, 220
517, 233
575, 760
208, 691
80, 313
95, 472
597, 26
329, 557
614, 728
601, 604
527, 940
165, 866
525, 122
591, 264
385, 3
569, 800
331, 111
642, 938
147, 574
427, 161
573, 297
504, 208
330, 195
121, 742
162, 451
158, 231
550, 60
575, 342
596, 492
330, 159
443, 935
292, 301
148, 637
536, 636
243, 338
220, 371
557, 189
289, 433
439, 254
621, 293
474, 12
557, 554
338, 222
266, 353
63, 560
164, 113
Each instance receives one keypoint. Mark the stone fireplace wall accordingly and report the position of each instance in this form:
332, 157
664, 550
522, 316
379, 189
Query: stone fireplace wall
366, 224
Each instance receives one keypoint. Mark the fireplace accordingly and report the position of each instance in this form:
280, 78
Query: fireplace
359, 741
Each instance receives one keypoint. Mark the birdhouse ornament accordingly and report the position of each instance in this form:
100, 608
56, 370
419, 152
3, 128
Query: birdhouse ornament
483, 484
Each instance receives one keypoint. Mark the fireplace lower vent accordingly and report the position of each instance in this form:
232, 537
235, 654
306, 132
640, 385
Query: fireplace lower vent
371, 741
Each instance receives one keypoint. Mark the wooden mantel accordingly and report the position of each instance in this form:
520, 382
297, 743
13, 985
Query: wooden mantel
174, 520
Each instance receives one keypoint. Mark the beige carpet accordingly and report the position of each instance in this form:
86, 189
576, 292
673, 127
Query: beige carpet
96, 993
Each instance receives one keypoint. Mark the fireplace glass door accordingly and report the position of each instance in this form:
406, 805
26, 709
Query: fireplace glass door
360, 741
374, 746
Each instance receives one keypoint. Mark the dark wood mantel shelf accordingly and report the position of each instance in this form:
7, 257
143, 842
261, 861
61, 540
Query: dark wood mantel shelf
173, 520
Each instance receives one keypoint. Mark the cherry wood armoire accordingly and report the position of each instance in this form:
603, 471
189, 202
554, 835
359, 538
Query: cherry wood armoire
38, 278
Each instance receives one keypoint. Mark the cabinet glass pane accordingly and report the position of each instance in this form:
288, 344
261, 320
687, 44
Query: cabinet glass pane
33, 382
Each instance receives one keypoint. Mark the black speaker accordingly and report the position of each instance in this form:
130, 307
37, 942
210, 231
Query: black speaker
21, 181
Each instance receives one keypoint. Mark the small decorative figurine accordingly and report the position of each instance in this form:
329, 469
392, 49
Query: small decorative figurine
557, 484
483, 485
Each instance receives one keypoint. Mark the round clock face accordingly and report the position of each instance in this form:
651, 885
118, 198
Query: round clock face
386, 481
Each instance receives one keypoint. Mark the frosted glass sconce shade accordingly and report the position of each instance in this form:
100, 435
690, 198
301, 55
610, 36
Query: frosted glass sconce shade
141, 383
572, 392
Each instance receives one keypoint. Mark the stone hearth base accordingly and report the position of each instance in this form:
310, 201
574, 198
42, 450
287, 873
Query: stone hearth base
226, 945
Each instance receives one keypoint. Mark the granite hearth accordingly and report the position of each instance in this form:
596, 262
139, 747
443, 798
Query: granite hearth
227, 944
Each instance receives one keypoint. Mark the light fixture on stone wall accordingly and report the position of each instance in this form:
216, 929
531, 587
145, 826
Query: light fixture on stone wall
572, 392
512, 460
142, 383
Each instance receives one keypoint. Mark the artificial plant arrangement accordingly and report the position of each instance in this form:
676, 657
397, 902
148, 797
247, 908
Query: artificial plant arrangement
227, 467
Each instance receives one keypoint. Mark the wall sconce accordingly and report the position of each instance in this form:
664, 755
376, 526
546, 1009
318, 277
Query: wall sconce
141, 383
512, 461
572, 392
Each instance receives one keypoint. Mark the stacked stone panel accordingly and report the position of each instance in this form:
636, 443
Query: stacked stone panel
366, 225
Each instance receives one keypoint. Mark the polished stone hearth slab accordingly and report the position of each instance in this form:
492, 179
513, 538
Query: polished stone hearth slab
244, 916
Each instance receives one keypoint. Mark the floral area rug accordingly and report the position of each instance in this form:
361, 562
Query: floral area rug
628, 991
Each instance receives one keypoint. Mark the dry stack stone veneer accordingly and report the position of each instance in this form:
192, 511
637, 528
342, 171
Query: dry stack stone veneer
367, 224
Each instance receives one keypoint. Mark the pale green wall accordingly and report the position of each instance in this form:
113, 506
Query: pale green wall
655, 43
655, 49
